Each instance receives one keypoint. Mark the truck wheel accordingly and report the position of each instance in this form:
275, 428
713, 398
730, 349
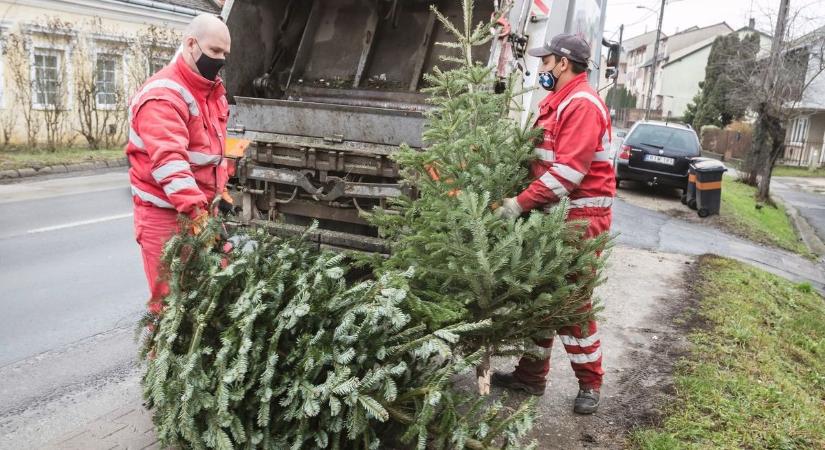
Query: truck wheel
703, 213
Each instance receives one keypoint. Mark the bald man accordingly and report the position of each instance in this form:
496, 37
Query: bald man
177, 128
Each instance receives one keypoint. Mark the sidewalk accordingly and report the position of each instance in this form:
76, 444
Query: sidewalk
26, 172
129, 427
637, 322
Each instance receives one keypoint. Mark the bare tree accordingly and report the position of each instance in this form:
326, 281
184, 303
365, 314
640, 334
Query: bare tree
772, 90
152, 49
16, 50
51, 81
8, 120
99, 89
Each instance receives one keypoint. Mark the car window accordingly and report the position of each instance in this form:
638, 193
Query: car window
657, 136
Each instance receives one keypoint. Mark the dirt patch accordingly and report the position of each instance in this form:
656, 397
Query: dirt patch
636, 407
662, 199
645, 299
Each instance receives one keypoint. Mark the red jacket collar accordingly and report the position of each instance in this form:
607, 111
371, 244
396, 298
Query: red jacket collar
554, 99
200, 86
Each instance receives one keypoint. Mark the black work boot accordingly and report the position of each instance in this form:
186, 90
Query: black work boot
509, 381
587, 402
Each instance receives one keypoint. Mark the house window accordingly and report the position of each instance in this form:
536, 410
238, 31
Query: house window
106, 80
47, 77
799, 130
156, 64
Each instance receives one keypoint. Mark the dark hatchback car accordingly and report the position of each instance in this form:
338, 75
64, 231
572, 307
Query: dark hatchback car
657, 153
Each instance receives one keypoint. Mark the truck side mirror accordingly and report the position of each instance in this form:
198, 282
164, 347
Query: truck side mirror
614, 50
610, 73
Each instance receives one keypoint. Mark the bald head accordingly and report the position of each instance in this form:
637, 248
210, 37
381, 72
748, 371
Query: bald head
205, 35
206, 25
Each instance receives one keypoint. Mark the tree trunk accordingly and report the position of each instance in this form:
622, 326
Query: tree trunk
763, 193
754, 161
483, 374
775, 132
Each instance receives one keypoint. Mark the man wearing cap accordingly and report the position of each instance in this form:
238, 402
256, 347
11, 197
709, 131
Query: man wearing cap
571, 162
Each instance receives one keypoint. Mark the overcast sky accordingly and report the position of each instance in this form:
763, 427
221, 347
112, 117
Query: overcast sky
681, 14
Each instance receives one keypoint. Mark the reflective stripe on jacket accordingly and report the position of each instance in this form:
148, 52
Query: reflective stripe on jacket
177, 129
571, 159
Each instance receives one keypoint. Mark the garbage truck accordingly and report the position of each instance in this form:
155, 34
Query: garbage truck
323, 92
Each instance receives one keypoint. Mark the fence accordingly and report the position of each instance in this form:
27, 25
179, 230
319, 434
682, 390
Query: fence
626, 117
803, 154
732, 145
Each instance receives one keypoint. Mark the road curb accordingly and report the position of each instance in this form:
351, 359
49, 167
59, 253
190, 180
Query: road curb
803, 229
27, 172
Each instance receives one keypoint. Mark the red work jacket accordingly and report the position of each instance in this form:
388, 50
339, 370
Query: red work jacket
571, 158
177, 130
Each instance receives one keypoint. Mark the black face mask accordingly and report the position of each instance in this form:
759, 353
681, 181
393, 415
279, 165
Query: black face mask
208, 66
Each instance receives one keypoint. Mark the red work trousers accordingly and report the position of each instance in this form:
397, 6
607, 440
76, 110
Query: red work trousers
153, 228
583, 349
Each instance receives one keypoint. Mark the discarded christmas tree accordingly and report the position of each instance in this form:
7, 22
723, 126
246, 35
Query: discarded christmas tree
277, 351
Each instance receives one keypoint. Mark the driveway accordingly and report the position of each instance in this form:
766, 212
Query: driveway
656, 220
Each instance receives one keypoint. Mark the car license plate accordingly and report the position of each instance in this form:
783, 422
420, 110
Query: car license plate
660, 159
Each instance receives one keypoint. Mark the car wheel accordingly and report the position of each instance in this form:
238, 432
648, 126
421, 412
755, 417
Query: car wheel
703, 213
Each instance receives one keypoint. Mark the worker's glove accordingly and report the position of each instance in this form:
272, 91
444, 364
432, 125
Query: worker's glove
509, 209
199, 222
226, 206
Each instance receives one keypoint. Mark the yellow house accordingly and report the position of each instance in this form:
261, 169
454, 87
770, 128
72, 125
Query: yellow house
68, 66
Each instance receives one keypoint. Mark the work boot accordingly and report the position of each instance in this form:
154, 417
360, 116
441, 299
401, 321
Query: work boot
587, 402
509, 381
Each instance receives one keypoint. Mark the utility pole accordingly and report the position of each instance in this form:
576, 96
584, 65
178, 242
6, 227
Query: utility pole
779, 32
621, 33
655, 60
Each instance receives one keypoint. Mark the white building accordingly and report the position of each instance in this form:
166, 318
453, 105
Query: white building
805, 137
685, 69
639, 51
54, 51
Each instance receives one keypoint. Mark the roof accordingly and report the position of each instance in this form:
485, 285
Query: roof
696, 28
694, 35
688, 51
640, 41
201, 5
809, 38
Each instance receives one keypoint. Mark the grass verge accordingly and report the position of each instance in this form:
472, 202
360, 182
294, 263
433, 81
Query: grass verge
755, 377
788, 171
20, 158
768, 225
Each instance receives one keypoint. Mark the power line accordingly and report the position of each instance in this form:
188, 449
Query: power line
644, 19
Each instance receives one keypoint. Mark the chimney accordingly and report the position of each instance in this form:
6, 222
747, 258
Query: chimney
752, 23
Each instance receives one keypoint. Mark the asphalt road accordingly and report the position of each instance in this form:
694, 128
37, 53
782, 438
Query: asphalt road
69, 265
72, 291
807, 196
